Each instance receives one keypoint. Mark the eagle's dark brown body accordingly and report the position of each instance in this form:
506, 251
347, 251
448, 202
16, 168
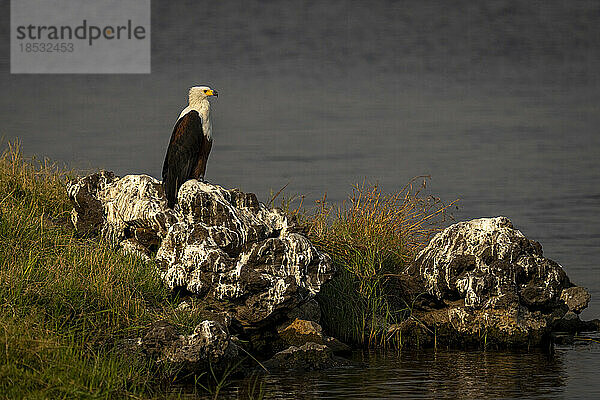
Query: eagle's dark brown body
186, 156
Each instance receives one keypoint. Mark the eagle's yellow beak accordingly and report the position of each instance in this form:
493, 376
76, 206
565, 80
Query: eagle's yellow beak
212, 93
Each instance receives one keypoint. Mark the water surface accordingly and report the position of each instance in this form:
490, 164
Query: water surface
569, 372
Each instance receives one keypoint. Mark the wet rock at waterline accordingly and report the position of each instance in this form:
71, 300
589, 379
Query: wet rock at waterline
308, 357
484, 281
217, 243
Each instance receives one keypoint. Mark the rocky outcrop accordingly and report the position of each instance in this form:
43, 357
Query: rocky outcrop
483, 280
255, 274
218, 244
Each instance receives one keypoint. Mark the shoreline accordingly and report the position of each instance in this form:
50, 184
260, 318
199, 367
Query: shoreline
274, 299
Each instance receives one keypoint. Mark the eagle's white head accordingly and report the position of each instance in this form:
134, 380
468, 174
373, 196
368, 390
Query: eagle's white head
198, 101
198, 94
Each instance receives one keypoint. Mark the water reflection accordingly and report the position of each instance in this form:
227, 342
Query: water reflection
426, 374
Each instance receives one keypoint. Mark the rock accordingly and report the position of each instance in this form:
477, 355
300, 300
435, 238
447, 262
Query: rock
300, 332
88, 215
135, 207
228, 246
244, 265
131, 208
208, 344
571, 323
593, 325
308, 357
461, 326
487, 262
487, 281
160, 335
132, 246
309, 310
562, 338
222, 245
410, 332
576, 298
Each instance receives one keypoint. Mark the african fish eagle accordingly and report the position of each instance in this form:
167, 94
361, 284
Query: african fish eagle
190, 143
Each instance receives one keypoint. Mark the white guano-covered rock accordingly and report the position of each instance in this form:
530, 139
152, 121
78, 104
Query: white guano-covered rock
221, 244
487, 261
484, 279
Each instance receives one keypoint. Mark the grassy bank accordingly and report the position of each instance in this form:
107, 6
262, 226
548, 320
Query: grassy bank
68, 304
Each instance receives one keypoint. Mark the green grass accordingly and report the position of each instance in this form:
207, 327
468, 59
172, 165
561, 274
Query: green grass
68, 304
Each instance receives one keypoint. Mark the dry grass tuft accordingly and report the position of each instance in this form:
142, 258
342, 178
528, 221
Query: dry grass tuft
371, 237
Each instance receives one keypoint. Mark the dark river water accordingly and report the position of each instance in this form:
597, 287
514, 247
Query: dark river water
499, 101
570, 373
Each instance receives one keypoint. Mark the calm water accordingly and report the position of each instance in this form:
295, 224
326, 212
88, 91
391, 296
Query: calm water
499, 101
569, 373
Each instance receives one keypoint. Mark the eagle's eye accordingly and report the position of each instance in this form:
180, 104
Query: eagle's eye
205, 90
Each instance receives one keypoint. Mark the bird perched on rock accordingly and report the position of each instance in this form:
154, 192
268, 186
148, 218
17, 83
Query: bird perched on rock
190, 143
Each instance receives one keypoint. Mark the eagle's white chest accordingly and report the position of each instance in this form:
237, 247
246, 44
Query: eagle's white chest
203, 108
